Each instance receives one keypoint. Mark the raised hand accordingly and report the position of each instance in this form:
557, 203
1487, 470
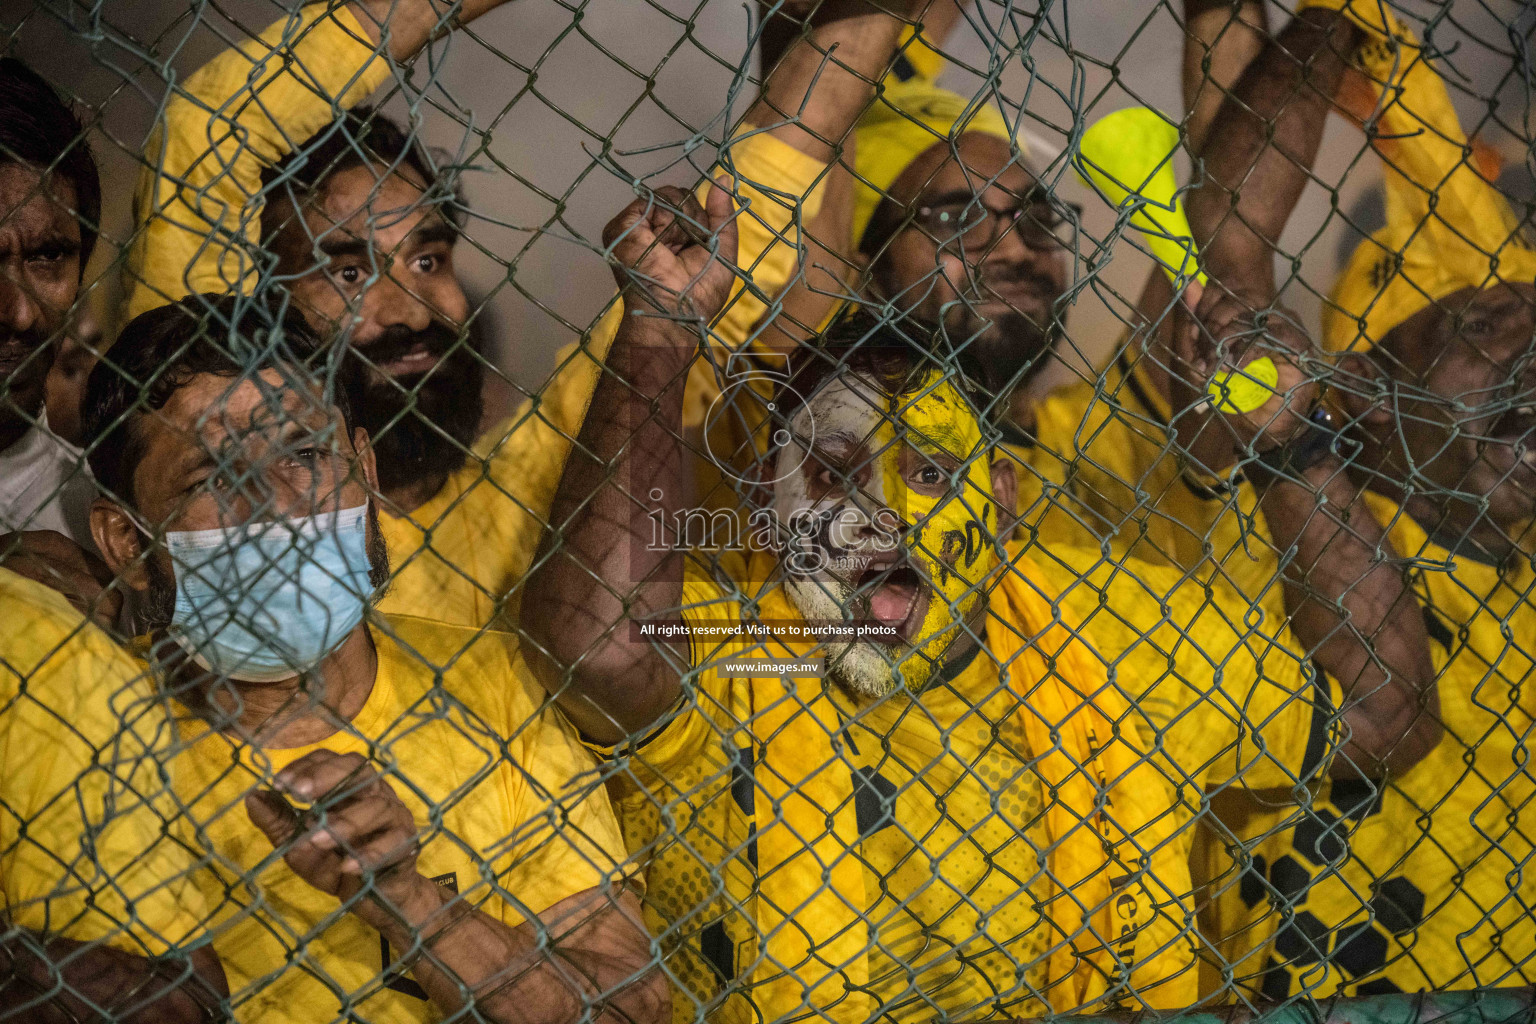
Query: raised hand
355, 830
672, 256
1222, 333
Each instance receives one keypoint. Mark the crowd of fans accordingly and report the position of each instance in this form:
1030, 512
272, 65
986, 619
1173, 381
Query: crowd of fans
789, 655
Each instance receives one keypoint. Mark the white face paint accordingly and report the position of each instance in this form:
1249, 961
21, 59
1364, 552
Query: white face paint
829, 507
885, 518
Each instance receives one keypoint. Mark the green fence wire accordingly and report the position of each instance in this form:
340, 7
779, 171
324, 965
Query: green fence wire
863, 509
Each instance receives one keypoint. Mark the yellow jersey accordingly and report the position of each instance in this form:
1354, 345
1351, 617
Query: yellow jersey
954, 873
511, 812
1422, 883
1104, 467
85, 849
459, 557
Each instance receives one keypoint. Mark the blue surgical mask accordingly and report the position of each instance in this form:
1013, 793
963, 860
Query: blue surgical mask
265, 601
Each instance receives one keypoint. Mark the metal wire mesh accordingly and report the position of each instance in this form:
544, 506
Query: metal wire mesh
1038, 528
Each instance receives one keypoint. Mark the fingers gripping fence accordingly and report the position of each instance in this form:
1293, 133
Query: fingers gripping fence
953, 574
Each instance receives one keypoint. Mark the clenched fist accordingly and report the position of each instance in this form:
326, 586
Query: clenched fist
356, 829
672, 256
1223, 334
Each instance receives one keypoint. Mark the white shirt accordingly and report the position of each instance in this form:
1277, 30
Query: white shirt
45, 484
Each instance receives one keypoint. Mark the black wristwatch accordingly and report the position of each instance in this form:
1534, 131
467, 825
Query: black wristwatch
1317, 440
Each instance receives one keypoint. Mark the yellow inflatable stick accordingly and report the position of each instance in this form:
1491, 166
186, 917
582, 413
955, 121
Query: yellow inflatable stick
1128, 157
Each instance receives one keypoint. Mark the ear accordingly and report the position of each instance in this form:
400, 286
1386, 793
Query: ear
1361, 402
1005, 494
120, 543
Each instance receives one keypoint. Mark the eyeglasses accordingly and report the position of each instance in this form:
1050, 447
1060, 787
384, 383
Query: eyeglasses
1042, 222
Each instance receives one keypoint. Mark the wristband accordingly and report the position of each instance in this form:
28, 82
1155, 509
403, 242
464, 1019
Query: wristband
1316, 441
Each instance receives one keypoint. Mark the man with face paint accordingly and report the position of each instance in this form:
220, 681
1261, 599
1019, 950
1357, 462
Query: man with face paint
242, 517
362, 223
1415, 884
882, 835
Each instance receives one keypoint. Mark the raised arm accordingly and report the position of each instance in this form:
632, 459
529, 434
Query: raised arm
599, 566
198, 199
827, 77
1220, 40
1349, 603
1259, 152
1352, 608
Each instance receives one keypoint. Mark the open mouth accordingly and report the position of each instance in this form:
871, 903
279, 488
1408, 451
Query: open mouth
895, 595
419, 359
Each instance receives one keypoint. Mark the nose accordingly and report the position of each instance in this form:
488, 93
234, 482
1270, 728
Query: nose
390, 304
19, 309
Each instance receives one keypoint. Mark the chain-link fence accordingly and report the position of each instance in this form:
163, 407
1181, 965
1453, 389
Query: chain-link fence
847, 510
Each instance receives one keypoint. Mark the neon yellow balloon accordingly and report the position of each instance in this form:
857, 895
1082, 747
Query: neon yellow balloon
1128, 155
1245, 390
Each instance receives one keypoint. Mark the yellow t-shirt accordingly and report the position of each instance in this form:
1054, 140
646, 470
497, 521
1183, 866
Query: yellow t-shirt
512, 816
945, 792
1105, 468
459, 557
1232, 701
85, 849
947, 810
1425, 883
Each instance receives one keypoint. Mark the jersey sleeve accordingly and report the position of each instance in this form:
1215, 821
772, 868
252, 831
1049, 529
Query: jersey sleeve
91, 843
1218, 677
197, 202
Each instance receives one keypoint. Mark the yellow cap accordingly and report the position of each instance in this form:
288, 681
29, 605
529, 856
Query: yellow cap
1448, 227
905, 120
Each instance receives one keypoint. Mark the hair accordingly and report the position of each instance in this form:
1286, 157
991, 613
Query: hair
162, 351
359, 137
38, 129
895, 355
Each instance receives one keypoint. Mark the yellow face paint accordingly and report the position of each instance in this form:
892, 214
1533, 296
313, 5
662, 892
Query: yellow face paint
936, 476
911, 470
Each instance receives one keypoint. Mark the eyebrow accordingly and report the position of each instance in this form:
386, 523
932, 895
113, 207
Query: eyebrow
54, 240
341, 248
959, 195
838, 442
941, 439
49, 241
439, 230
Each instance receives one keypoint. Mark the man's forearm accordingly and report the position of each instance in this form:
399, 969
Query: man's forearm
1353, 611
1259, 152
602, 566
1220, 41
68, 981
412, 23
825, 80
588, 953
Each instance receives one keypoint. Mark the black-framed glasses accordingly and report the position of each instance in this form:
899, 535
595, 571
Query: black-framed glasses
1042, 221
